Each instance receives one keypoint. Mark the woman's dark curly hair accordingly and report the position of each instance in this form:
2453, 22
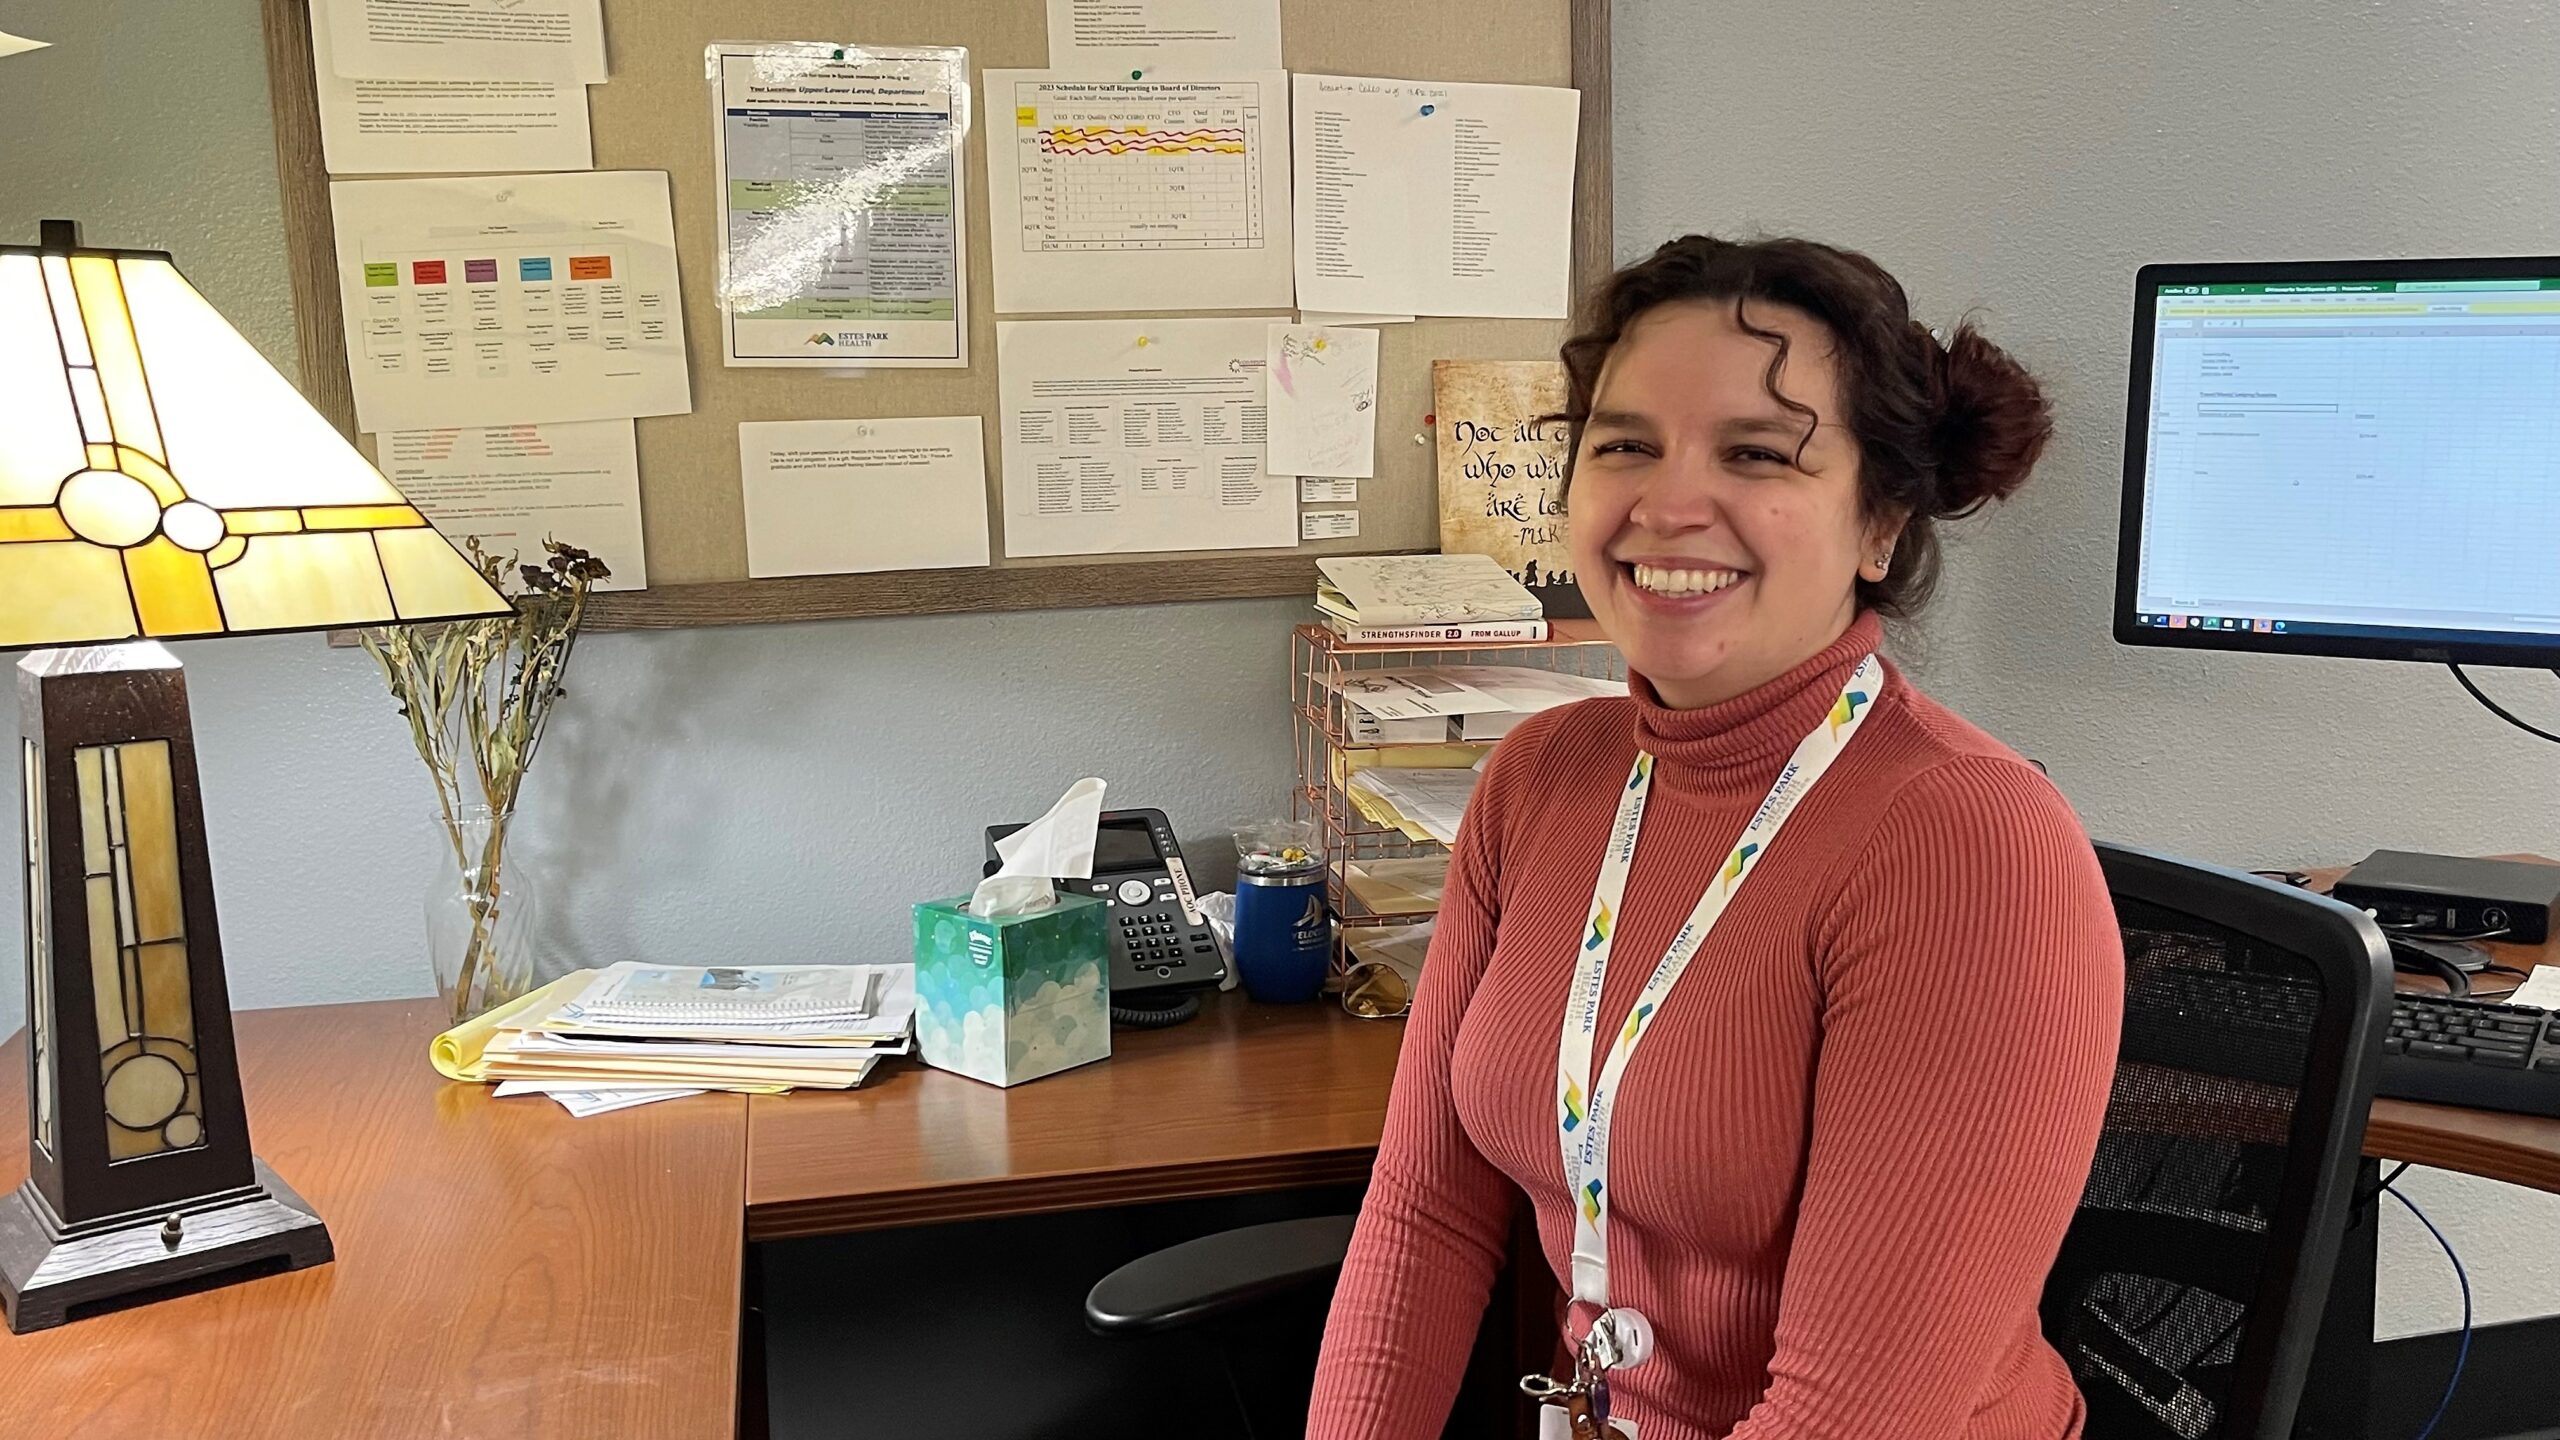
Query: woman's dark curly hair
1941, 429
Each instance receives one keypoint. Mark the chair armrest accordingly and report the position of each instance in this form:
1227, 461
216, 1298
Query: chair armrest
1214, 1275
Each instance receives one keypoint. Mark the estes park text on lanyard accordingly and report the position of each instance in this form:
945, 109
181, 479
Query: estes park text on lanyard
1621, 1337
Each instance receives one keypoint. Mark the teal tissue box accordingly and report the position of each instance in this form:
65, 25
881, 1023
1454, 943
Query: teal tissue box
1012, 997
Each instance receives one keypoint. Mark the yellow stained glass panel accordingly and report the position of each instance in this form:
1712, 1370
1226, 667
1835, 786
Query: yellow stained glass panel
123, 1144
106, 977
88, 764
41, 442
91, 401
39, 940
63, 300
173, 588
61, 592
167, 1005
118, 354
429, 578
262, 522
362, 517
288, 582
109, 507
151, 835
231, 548
239, 436
32, 522
164, 486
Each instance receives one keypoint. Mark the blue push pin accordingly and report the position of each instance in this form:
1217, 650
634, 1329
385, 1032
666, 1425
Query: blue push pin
1427, 109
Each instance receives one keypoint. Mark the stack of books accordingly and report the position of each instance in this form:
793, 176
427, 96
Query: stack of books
1425, 600
631, 1034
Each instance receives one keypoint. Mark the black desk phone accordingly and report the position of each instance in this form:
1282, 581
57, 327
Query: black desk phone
1159, 943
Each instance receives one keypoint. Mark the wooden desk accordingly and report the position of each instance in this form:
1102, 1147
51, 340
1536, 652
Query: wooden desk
1244, 1098
2518, 1149
505, 1269
502, 1268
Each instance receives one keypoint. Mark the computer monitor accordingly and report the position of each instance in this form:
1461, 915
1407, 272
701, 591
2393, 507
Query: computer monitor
2354, 458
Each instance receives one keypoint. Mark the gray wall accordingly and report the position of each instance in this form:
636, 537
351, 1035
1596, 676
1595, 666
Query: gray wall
2025, 156
785, 792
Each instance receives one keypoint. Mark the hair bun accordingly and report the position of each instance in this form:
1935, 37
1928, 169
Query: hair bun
1992, 427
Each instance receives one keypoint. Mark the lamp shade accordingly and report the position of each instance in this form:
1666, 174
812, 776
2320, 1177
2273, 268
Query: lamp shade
158, 477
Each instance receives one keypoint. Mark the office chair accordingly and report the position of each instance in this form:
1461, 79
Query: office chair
2188, 1294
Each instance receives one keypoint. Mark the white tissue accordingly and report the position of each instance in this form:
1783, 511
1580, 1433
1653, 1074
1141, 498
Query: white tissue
1058, 845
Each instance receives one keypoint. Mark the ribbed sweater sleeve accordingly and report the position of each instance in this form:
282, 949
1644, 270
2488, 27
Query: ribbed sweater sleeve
1975, 927
1434, 1226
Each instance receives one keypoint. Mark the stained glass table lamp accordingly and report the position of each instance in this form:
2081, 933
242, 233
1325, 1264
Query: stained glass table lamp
158, 479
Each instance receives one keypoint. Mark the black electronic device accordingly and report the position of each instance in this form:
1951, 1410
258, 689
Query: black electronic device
2472, 1052
2344, 458
2454, 896
1161, 948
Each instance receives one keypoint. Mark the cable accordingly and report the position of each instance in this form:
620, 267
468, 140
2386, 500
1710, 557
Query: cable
2425, 934
2462, 1354
2413, 960
2500, 710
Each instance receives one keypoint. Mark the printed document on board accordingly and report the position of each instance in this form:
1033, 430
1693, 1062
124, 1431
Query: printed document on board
1107, 193
1324, 402
842, 205
1137, 435
1425, 198
515, 486
832, 497
444, 127
498, 300
465, 40
1166, 37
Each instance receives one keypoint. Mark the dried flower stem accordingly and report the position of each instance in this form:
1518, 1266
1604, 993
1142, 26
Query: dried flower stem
481, 691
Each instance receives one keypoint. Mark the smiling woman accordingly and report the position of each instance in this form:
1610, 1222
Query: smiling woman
1764, 439
1823, 1203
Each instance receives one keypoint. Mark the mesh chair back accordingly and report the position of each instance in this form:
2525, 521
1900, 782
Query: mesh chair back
2190, 1286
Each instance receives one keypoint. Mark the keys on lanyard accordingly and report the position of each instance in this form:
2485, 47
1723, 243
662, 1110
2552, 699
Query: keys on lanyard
1618, 1338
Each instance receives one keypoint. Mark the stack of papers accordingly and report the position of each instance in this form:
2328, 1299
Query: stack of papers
1424, 804
1429, 704
1398, 885
630, 1034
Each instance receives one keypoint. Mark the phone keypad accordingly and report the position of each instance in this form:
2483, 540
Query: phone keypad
1157, 940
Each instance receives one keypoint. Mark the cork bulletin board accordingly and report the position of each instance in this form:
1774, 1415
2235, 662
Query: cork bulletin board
655, 114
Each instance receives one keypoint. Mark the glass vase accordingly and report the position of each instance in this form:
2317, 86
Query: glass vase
483, 908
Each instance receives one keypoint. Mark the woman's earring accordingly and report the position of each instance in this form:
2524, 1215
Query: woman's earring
1884, 563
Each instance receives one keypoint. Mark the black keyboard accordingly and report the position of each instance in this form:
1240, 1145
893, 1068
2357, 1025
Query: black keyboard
2472, 1052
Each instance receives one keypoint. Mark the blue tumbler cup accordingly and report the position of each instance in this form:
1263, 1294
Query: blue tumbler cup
1284, 937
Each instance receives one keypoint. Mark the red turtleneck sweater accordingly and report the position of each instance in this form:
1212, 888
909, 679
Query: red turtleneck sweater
1845, 1157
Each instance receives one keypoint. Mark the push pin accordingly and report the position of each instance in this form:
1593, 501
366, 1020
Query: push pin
839, 55
1145, 340
1137, 74
1427, 109
1319, 342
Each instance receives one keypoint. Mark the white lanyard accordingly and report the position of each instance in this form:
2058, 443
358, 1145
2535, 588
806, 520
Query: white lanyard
1583, 1113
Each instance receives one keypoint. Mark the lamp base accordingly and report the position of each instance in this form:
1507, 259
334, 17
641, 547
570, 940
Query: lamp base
48, 1269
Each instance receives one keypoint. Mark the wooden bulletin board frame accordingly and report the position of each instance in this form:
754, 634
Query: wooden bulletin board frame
655, 115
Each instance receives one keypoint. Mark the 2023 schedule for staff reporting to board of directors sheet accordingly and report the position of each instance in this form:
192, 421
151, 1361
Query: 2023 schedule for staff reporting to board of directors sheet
1122, 194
